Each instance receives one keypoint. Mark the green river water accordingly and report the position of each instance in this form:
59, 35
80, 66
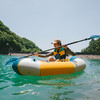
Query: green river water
78, 86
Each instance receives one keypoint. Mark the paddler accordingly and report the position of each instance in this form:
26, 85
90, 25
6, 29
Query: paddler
59, 53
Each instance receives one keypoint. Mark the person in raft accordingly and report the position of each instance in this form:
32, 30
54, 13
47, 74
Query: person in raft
59, 53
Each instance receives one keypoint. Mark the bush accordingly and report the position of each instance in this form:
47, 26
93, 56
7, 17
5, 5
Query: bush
94, 47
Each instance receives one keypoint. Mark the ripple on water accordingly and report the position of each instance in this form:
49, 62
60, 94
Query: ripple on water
4, 87
24, 92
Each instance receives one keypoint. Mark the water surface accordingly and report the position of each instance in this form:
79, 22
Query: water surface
83, 85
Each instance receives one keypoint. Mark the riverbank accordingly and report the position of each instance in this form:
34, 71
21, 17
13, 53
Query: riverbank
19, 54
88, 56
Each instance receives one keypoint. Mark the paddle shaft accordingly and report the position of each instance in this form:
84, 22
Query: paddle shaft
57, 47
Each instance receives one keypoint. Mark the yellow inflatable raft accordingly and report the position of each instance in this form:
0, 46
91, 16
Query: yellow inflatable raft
28, 66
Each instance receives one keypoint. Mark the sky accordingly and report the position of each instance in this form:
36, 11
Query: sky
43, 21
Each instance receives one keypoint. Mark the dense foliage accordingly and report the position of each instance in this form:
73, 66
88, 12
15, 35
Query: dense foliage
94, 47
10, 42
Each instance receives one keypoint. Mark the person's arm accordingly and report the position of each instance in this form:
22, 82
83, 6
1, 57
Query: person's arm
70, 52
43, 55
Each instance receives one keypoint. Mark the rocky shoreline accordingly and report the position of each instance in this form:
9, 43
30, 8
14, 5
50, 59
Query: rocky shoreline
88, 56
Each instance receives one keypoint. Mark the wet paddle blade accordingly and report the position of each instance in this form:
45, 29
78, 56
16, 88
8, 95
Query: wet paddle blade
11, 60
95, 36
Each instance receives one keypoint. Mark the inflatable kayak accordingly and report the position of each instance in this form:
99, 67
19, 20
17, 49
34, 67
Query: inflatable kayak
28, 66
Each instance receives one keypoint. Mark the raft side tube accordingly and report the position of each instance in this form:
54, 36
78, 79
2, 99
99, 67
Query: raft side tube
15, 66
28, 67
80, 64
56, 68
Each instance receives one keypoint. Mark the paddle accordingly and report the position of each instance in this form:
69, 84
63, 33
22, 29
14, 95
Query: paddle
14, 59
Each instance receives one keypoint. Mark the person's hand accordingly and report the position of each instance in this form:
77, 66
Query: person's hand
64, 46
57, 60
36, 54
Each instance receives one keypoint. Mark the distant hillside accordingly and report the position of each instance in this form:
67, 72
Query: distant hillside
10, 42
93, 48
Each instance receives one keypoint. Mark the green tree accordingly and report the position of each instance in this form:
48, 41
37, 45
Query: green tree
94, 47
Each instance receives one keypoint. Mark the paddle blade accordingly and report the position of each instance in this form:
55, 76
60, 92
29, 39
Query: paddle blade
95, 36
11, 60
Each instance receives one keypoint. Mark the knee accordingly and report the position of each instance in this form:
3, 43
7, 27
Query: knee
51, 59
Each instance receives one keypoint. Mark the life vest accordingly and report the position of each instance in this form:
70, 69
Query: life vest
60, 53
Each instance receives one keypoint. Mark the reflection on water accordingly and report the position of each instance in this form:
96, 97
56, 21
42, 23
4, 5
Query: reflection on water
45, 80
